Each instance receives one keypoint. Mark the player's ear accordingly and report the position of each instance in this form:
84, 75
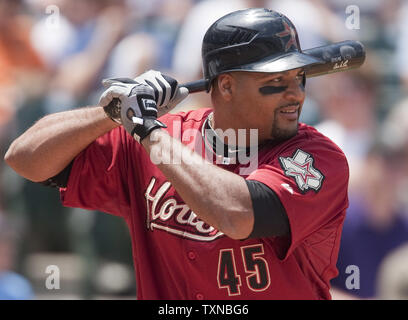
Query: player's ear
225, 83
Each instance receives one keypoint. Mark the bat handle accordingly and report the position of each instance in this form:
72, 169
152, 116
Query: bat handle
196, 86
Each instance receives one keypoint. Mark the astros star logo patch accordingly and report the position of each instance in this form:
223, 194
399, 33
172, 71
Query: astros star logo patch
288, 31
300, 167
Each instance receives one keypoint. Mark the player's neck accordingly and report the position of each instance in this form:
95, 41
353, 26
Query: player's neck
231, 131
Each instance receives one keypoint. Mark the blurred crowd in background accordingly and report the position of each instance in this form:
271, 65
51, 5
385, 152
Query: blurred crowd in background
53, 56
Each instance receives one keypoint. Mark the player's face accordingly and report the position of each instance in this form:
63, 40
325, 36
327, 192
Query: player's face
271, 102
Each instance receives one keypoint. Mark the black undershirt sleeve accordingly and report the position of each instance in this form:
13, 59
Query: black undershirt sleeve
61, 179
270, 218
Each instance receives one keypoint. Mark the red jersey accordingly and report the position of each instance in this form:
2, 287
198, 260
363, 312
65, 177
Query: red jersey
178, 256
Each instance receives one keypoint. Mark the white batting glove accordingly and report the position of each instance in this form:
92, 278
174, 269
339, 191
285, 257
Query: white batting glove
166, 90
131, 104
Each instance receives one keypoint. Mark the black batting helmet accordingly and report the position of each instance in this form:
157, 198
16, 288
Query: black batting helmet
256, 40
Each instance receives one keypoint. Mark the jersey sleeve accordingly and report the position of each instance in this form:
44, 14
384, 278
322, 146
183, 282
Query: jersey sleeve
311, 181
98, 179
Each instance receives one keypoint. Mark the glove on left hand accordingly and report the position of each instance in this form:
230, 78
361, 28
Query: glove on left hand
137, 106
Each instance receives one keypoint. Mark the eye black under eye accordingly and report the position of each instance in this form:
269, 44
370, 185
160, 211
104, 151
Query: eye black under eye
266, 90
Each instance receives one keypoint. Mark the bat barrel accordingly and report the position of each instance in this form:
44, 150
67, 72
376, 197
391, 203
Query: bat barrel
337, 57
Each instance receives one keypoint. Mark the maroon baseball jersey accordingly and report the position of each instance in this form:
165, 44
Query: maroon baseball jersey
178, 256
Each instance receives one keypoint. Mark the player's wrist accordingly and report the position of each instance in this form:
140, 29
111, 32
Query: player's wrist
150, 124
155, 137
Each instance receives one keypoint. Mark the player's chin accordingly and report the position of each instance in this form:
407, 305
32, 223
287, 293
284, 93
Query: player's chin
282, 132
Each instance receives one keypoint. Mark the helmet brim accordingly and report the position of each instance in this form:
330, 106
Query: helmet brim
279, 63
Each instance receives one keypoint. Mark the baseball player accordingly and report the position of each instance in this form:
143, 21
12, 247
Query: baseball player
205, 222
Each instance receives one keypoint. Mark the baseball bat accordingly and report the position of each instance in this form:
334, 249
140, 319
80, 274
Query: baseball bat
336, 57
